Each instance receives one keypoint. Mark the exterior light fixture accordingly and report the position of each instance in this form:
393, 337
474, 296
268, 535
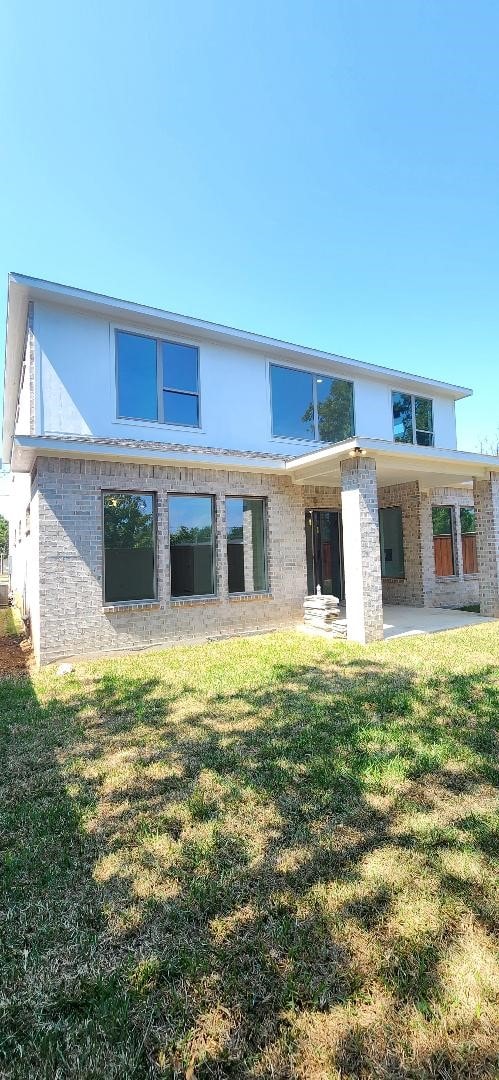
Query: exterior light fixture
358, 451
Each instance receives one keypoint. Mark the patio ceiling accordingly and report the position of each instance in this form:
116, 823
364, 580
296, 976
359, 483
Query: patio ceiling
396, 463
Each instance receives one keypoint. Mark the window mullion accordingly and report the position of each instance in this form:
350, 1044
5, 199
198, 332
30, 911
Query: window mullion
316, 411
159, 374
413, 402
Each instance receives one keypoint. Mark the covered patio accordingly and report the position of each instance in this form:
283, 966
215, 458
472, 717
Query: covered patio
400, 620
368, 475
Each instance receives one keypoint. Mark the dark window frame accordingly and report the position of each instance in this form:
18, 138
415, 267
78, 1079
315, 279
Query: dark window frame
415, 430
264, 500
451, 535
161, 386
393, 577
195, 495
314, 375
147, 599
465, 533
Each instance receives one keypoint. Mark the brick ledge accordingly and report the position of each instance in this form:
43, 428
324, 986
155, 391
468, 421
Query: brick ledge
130, 605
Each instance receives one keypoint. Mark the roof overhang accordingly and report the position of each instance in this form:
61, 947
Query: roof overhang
396, 463
26, 449
22, 290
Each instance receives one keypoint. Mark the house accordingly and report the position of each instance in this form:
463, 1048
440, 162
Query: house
174, 480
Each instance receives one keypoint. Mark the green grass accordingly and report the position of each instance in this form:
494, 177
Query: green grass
11, 623
271, 857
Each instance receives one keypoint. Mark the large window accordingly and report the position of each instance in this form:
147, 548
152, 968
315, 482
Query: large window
443, 541
307, 406
157, 380
246, 555
468, 540
391, 542
412, 419
191, 545
129, 571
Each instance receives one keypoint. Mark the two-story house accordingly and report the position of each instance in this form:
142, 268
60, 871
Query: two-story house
175, 480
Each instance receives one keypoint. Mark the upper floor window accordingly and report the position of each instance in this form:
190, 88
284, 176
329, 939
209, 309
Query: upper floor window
157, 380
310, 406
412, 419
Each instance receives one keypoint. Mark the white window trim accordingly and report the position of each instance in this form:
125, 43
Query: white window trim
420, 397
172, 339
315, 374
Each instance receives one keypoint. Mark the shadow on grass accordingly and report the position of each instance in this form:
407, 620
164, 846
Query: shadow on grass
192, 874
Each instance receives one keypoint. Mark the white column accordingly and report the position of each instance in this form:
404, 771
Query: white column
361, 554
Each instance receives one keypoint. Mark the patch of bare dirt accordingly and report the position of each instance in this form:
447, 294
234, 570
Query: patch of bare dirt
16, 655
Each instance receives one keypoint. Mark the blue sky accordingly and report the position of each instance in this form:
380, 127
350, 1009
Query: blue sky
325, 172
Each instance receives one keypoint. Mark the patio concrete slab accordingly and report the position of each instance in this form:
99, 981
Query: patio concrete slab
401, 621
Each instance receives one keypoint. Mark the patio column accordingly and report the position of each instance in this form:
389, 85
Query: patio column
361, 555
486, 496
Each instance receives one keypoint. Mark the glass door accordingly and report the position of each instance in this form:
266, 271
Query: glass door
324, 555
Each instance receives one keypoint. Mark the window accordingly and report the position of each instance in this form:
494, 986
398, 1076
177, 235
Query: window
307, 406
391, 542
412, 419
468, 540
246, 555
191, 545
443, 541
129, 570
157, 380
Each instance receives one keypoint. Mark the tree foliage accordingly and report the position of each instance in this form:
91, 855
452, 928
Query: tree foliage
334, 412
4, 536
194, 535
128, 521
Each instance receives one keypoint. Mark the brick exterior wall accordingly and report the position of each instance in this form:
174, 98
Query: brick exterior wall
486, 494
361, 555
73, 618
68, 614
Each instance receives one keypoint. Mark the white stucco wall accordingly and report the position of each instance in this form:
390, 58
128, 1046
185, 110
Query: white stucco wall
23, 416
20, 543
76, 382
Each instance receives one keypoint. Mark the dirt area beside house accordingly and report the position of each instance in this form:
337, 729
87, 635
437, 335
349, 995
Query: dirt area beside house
16, 655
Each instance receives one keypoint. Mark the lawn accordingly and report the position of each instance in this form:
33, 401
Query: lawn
270, 857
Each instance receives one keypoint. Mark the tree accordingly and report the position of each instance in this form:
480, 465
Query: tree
195, 535
334, 410
4, 536
128, 521
490, 445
